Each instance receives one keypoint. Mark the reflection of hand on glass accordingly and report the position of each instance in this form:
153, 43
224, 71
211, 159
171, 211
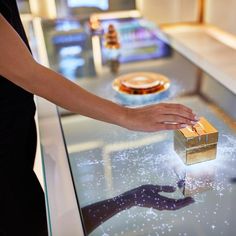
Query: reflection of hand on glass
148, 196
233, 180
143, 196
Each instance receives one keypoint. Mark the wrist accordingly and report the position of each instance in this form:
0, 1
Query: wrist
125, 201
123, 117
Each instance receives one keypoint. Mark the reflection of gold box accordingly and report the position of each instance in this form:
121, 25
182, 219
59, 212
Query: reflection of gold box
196, 144
197, 181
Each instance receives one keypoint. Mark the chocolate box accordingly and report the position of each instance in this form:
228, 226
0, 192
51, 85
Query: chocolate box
196, 143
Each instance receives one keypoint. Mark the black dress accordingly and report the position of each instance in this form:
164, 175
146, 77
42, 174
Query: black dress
22, 204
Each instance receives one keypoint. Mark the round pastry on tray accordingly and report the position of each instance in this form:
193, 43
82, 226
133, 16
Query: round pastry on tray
141, 83
140, 86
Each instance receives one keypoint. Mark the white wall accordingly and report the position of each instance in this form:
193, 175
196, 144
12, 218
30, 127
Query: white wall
169, 11
222, 13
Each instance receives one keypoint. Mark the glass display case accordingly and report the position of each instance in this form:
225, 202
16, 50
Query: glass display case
138, 39
74, 51
129, 183
134, 183
102, 179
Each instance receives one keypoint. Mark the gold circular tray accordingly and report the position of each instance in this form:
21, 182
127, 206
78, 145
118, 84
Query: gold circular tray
149, 80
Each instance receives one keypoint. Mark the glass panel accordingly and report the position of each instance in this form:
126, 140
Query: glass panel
69, 48
138, 38
132, 183
24, 6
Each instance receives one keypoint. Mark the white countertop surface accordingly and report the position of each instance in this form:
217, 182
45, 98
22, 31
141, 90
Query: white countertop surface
210, 48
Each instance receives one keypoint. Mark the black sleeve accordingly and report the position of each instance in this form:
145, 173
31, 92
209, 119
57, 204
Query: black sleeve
1, 8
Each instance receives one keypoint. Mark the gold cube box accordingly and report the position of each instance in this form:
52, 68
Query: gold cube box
197, 143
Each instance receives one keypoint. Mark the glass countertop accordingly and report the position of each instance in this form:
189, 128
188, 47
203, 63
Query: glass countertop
133, 183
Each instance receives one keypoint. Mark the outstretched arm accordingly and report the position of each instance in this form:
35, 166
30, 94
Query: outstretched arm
18, 66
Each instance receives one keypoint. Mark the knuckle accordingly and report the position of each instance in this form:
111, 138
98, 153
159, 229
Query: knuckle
174, 118
178, 126
184, 120
176, 110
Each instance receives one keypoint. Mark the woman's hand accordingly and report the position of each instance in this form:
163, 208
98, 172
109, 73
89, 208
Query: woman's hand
163, 116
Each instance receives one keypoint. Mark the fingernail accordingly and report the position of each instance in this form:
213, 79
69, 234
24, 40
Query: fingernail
196, 118
193, 122
183, 125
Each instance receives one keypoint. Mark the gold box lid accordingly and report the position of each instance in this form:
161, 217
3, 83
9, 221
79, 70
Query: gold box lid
203, 133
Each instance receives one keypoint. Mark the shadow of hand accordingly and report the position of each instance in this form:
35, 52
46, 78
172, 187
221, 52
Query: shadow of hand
144, 196
149, 196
